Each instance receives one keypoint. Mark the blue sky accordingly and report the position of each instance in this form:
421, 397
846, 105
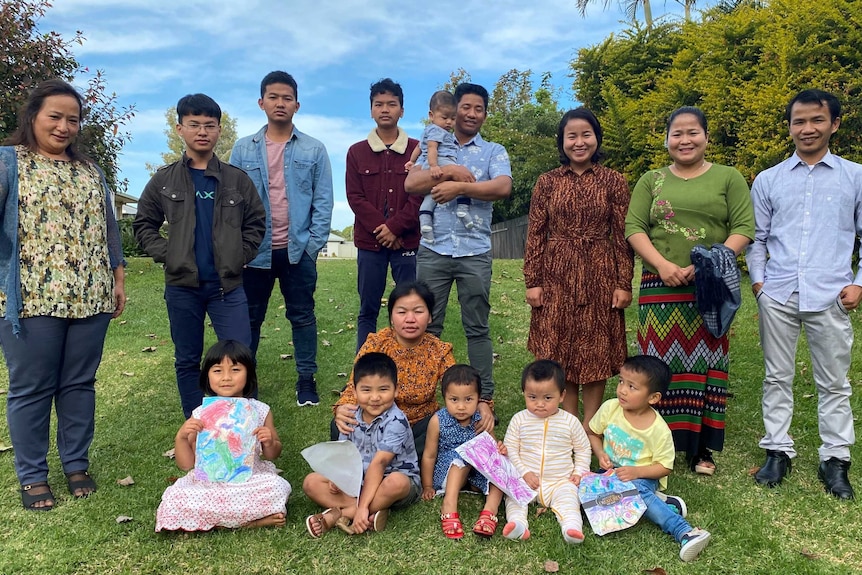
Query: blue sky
155, 51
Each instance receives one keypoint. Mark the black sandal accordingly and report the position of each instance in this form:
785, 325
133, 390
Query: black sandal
703, 463
29, 499
80, 480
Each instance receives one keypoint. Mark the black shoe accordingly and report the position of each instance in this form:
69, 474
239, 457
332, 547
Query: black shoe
833, 474
306, 391
777, 465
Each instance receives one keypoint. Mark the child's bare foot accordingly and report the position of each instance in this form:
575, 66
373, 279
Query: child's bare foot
516, 530
319, 523
274, 520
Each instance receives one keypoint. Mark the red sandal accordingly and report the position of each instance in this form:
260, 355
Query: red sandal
452, 526
486, 525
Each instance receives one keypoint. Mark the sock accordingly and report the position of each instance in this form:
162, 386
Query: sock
516, 530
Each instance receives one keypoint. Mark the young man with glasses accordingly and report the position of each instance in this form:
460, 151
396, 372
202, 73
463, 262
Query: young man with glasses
292, 174
216, 222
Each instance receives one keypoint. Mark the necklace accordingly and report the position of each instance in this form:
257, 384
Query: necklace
695, 172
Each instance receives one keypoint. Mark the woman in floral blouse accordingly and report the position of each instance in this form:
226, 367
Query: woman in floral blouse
672, 209
421, 359
61, 281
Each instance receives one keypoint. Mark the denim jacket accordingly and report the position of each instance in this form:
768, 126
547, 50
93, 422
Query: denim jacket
10, 265
308, 181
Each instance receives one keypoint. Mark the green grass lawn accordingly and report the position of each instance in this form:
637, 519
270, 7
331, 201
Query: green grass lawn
796, 528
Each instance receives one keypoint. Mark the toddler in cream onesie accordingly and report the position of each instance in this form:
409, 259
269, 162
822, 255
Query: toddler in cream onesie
550, 450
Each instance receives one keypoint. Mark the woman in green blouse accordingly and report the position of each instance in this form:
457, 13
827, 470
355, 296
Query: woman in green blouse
691, 201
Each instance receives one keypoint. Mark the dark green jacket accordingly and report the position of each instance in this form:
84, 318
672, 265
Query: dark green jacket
239, 222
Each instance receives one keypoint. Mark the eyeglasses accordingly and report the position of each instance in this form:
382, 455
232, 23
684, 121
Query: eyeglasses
194, 127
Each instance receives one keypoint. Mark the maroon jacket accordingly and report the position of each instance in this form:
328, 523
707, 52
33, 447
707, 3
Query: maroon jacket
375, 191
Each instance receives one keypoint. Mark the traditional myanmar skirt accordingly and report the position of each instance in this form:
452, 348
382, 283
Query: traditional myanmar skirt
670, 328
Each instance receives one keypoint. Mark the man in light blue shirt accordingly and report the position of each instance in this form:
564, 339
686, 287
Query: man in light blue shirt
808, 211
292, 174
460, 255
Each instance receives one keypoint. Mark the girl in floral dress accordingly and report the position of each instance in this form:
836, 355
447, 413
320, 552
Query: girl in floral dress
195, 504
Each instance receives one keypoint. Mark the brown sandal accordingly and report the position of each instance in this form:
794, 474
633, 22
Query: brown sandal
320, 520
486, 525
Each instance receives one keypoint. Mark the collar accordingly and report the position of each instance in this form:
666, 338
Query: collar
377, 145
829, 160
260, 135
361, 421
474, 141
213, 166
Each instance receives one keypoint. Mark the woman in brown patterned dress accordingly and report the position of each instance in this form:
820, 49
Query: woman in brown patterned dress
577, 264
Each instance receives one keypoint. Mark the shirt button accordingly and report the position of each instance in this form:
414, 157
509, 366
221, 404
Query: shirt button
390, 190
173, 195
366, 171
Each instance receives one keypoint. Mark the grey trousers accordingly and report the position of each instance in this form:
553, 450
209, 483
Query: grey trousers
472, 276
830, 338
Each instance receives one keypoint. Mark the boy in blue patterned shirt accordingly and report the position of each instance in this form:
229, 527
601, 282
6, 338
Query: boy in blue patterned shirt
389, 462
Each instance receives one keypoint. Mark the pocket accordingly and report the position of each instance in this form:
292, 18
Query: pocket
303, 173
173, 204
841, 307
231, 206
254, 171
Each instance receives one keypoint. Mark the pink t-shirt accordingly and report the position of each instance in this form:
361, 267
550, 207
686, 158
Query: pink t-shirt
277, 193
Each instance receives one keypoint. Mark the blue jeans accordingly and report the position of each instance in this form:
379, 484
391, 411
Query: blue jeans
472, 275
297, 283
53, 360
660, 512
187, 310
371, 283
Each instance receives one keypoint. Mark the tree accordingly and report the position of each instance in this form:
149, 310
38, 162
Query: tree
630, 7
28, 56
525, 122
226, 140
740, 65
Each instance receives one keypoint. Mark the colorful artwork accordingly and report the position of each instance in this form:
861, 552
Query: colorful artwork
482, 454
225, 449
610, 504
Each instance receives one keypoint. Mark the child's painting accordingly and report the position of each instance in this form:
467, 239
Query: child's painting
482, 454
225, 449
610, 504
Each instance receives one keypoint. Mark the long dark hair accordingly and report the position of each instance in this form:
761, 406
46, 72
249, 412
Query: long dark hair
23, 134
581, 113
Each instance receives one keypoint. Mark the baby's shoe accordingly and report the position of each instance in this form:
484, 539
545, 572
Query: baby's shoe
693, 543
427, 233
516, 530
463, 213
675, 502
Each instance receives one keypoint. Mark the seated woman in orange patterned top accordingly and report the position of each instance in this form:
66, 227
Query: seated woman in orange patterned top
421, 359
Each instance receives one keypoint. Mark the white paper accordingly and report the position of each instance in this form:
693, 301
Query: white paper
482, 454
339, 462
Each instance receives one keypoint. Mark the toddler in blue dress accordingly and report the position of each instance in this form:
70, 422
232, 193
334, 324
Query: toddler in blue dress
443, 470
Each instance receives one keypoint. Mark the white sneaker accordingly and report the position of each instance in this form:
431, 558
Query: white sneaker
693, 543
